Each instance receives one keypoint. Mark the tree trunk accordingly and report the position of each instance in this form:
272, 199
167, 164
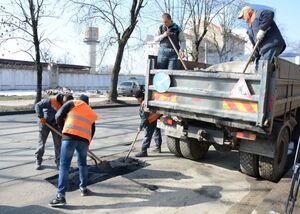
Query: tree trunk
113, 94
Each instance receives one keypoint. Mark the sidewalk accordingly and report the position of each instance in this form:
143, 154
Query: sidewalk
28, 104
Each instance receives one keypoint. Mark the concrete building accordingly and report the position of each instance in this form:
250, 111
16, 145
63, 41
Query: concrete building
21, 75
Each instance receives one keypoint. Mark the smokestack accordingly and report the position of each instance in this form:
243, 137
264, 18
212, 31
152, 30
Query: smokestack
91, 39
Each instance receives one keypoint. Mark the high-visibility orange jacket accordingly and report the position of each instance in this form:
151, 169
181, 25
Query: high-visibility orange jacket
54, 103
79, 120
147, 117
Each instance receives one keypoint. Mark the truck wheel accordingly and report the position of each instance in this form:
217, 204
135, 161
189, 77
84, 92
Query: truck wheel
272, 168
249, 164
173, 145
193, 149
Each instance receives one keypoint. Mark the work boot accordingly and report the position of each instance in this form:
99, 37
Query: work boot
84, 192
38, 166
141, 154
157, 150
58, 201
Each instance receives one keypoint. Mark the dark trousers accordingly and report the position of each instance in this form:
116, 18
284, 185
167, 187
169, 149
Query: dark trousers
167, 58
151, 130
43, 135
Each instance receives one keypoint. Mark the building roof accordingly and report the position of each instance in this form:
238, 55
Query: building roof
12, 62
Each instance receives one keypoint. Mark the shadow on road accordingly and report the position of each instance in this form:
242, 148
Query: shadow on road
31, 209
166, 197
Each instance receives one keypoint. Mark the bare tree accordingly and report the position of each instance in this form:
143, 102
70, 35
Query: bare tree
20, 20
224, 40
203, 12
111, 13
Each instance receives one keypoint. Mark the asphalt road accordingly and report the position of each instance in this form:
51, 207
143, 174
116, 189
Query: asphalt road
213, 185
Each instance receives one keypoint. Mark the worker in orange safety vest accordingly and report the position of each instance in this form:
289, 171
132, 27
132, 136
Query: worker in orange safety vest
46, 110
77, 121
148, 123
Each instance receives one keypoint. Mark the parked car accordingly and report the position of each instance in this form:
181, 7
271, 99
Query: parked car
128, 88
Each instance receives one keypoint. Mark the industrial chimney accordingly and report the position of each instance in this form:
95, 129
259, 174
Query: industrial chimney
91, 39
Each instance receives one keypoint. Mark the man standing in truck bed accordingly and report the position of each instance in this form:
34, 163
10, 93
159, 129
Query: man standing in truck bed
261, 26
167, 57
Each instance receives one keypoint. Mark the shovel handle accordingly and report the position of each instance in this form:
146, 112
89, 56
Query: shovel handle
251, 55
90, 153
177, 52
132, 145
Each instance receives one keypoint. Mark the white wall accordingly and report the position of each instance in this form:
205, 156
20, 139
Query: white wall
12, 79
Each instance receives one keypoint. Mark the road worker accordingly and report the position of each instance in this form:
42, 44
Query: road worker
261, 26
77, 120
46, 110
148, 123
167, 57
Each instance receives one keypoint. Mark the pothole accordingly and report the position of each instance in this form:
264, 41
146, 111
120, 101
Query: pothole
101, 172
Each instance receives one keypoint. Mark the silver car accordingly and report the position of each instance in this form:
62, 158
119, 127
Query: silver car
128, 88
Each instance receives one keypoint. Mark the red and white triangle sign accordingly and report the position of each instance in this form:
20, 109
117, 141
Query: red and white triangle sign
240, 89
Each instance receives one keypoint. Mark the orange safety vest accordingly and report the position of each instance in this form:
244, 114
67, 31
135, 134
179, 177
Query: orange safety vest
79, 120
54, 103
152, 117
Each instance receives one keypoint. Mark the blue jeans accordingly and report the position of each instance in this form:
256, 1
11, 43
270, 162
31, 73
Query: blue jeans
167, 58
271, 53
151, 130
66, 154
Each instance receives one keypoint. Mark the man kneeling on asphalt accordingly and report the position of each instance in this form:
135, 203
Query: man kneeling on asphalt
46, 110
77, 120
148, 123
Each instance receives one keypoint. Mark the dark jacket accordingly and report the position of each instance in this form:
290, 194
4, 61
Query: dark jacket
174, 30
144, 117
265, 21
60, 117
45, 110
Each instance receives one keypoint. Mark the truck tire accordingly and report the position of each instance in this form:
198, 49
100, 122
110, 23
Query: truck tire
173, 145
249, 164
272, 168
193, 149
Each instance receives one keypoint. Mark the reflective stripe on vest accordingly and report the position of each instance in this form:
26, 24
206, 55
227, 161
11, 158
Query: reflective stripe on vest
79, 120
55, 104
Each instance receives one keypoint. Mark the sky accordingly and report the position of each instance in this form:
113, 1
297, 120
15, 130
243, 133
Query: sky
67, 37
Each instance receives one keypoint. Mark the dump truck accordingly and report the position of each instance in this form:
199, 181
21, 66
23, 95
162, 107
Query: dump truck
256, 113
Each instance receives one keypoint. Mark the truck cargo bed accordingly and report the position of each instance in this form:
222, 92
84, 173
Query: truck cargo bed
213, 96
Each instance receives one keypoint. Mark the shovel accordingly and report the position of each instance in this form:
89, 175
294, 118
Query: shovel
177, 52
104, 164
132, 145
251, 55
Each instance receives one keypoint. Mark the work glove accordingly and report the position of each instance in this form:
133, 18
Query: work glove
260, 35
43, 121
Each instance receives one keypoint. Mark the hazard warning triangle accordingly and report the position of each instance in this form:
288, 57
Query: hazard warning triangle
240, 90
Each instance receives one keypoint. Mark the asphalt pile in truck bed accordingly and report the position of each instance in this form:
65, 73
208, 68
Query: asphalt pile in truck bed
95, 175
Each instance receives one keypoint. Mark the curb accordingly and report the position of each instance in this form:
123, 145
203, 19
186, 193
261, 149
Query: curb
94, 107
275, 200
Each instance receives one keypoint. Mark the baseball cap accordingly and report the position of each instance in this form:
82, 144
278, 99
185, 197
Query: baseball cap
243, 10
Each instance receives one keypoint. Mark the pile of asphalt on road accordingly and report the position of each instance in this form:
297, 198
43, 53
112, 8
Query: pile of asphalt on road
95, 174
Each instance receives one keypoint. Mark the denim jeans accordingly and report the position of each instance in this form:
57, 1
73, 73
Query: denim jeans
66, 154
151, 130
43, 135
271, 53
167, 59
